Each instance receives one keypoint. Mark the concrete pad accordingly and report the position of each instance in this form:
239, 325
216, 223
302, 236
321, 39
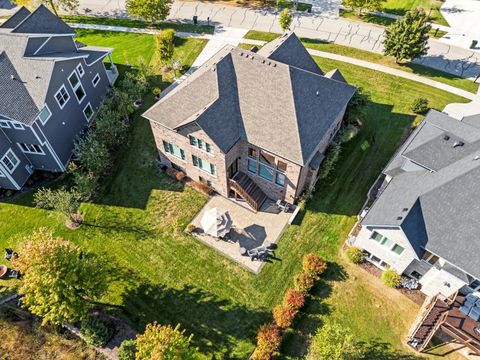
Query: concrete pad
250, 229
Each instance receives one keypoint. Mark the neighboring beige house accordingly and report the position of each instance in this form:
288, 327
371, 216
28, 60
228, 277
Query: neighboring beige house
425, 220
252, 125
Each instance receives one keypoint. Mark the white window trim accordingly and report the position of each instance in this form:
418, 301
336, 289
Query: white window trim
49, 116
85, 108
31, 152
5, 124
79, 84
97, 76
65, 103
17, 126
2, 175
78, 71
84, 94
15, 156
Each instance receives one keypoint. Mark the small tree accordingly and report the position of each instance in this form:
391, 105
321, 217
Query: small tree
420, 105
268, 342
165, 45
64, 201
149, 10
407, 38
59, 280
333, 341
354, 254
85, 184
283, 315
313, 265
294, 299
93, 153
360, 5
285, 19
164, 342
303, 282
52, 4
391, 278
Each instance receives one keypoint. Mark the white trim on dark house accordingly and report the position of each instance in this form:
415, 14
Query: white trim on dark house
96, 80
77, 85
41, 46
65, 97
5, 124
31, 149
9, 177
45, 107
91, 112
7, 161
2, 175
80, 70
52, 151
17, 125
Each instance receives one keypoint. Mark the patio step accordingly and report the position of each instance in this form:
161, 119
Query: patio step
247, 188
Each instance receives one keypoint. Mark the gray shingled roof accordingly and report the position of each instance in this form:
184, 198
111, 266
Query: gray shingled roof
289, 50
438, 210
16, 18
241, 95
43, 21
335, 74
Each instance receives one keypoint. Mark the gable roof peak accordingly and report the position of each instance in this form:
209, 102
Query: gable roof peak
16, 18
43, 21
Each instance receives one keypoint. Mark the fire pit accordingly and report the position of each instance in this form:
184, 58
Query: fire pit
3, 270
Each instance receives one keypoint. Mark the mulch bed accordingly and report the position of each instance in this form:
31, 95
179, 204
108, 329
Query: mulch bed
415, 295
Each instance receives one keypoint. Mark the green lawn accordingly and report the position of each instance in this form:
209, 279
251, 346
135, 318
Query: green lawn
164, 275
431, 7
418, 69
177, 26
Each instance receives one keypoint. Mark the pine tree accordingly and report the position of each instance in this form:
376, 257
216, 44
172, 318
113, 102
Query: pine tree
407, 38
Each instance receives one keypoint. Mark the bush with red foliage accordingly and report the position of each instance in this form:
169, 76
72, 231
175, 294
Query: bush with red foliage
294, 299
269, 338
180, 175
313, 265
284, 315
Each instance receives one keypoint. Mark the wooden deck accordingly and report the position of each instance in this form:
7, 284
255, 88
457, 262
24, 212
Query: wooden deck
443, 315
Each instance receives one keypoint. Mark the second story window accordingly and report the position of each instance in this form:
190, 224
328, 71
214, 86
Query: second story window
88, 112
199, 143
174, 150
31, 148
76, 86
384, 241
266, 166
430, 258
5, 124
62, 97
80, 70
44, 115
204, 165
17, 126
10, 161
95, 80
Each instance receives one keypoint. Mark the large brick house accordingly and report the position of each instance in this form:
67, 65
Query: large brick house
252, 125
51, 86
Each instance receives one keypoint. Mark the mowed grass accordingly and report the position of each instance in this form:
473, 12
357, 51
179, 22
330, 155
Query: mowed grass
431, 7
164, 275
377, 58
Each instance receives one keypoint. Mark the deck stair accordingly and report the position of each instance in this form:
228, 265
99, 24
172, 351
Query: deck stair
242, 184
428, 324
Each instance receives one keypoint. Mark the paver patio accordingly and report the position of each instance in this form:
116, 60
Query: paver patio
249, 229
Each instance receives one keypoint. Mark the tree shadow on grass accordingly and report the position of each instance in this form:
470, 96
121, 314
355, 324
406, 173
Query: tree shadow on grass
217, 325
378, 350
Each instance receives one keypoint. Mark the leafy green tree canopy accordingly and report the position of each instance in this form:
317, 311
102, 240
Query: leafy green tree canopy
165, 45
285, 19
333, 341
62, 200
361, 5
149, 10
407, 38
59, 279
163, 342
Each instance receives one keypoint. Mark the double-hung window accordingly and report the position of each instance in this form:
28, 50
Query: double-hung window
80, 70
10, 161
174, 150
77, 86
95, 80
62, 97
44, 115
199, 143
384, 241
204, 165
31, 148
280, 177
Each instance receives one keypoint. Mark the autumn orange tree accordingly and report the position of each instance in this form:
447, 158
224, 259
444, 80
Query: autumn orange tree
58, 280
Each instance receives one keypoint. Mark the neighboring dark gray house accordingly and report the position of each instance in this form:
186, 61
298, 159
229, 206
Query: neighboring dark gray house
252, 125
425, 222
50, 89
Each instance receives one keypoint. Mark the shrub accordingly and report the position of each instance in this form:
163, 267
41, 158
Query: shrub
110, 127
96, 331
354, 254
391, 278
94, 155
333, 341
303, 282
268, 342
127, 350
419, 106
156, 91
190, 228
180, 175
357, 104
85, 184
333, 154
203, 187
347, 133
313, 265
283, 315
294, 299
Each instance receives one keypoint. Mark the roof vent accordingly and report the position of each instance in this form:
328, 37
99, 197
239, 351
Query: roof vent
399, 218
405, 209
317, 93
241, 54
476, 158
12, 77
446, 137
458, 143
274, 65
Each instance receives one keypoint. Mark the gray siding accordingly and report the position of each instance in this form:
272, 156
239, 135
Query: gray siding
33, 44
20, 174
65, 124
58, 44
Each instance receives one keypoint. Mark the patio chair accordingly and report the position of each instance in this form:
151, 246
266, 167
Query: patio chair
474, 314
